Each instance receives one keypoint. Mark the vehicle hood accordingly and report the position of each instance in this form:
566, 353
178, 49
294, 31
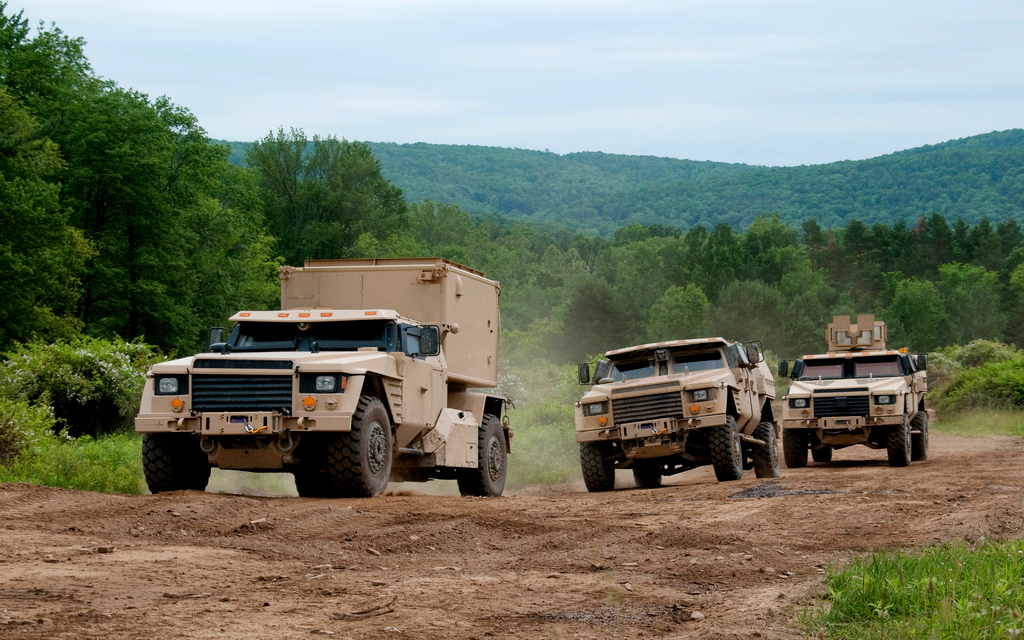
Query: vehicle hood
354, 362
660, 384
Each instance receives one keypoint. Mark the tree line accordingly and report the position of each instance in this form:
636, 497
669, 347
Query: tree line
120, 218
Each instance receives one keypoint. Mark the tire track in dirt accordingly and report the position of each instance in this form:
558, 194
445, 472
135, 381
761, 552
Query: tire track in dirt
550, 562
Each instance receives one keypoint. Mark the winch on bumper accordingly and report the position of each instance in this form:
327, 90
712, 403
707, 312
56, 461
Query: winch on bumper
660, 437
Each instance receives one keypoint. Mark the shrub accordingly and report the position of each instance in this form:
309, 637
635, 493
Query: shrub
23, 428
92, 386
995, 385
945, 363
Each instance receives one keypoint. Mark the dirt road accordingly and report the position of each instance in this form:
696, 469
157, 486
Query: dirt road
694, 559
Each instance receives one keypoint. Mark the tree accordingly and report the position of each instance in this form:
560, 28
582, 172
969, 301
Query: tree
593, 322
916, 316
973, 303
41, 257
681, 312
320, 196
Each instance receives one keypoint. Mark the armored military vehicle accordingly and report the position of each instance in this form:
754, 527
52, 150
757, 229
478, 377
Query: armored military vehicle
857, 393
664, 408
363, 377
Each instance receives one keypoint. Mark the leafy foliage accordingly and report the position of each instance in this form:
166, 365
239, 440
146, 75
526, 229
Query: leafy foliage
994, 385
90, 386
322, 195
597, 193
22, 428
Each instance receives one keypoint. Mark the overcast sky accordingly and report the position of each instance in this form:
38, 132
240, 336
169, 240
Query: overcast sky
771, 82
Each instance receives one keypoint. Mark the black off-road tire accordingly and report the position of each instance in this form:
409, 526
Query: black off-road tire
647, 475
174, 462
359, 462
767, 462
488, 479
898, 446
794, 448
822, 453
919, 438
726, 451
598, 469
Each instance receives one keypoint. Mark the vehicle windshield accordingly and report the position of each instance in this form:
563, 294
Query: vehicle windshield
632, 370
824, 369
324, 336
865, 367
880, 367
690, 362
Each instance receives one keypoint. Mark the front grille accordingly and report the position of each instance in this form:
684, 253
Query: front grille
832, 406
638, 409
242, 393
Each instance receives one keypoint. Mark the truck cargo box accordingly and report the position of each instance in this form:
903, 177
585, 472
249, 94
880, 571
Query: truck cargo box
428, 290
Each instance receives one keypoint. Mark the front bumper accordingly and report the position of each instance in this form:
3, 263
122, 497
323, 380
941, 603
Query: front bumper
241, 423
650, 430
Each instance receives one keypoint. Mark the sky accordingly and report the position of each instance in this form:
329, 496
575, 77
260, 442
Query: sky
766, 82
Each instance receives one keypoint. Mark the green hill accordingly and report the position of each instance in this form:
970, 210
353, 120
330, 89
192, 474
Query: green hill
970, 178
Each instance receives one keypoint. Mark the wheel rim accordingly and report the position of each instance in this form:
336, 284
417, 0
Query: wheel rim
495, 461
376, 448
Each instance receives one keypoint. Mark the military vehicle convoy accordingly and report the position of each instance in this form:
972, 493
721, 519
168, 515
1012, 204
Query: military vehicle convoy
664, 408
363, 377
857, 393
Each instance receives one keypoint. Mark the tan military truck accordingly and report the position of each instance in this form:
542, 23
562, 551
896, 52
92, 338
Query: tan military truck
363, 377
857, 393
664, 408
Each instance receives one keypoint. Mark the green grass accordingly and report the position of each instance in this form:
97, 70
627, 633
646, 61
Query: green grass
544, 446
982, 423
110, 463
953, 591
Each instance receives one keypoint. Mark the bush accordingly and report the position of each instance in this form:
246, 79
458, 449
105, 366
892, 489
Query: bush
996, 385
92, 386
944, 364
23, 427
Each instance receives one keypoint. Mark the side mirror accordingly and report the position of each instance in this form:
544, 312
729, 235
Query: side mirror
784, 368
601, 371
430, 341
922, 362
583, 373
753, 353
216, 338
798, 369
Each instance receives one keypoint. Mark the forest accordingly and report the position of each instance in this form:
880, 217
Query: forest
122, 219
972, 178
126, 233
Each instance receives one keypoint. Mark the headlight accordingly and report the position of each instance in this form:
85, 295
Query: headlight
595, 408
701, 395
885, 399
170, 385
799, 403
326, 384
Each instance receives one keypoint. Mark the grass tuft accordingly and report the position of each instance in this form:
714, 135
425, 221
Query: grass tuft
982, 423
952, 591
111, 463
